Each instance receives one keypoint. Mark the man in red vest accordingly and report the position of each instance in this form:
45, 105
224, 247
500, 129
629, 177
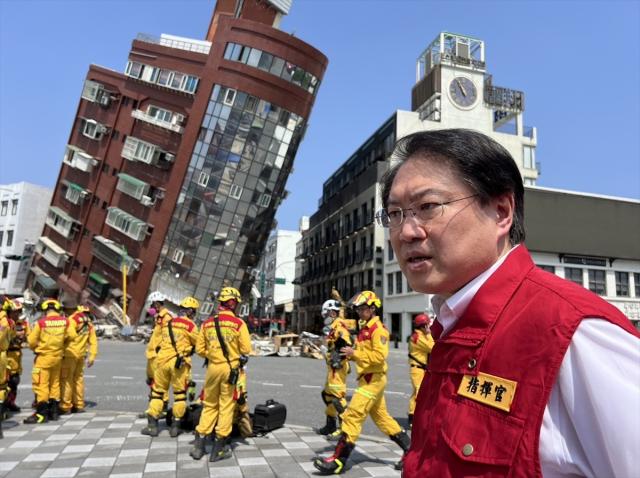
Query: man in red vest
531, 374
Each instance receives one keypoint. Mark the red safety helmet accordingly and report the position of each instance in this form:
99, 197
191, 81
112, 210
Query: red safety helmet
421, 320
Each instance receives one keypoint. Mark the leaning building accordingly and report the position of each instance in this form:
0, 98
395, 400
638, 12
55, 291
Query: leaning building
174, 168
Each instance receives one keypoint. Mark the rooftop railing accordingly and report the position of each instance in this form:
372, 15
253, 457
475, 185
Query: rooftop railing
175, 43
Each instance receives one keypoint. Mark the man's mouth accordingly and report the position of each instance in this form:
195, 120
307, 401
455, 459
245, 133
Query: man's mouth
416, 259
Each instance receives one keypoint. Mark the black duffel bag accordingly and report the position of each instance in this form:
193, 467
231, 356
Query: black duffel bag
268, 416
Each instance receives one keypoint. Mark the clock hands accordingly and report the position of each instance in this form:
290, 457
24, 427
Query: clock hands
464, 92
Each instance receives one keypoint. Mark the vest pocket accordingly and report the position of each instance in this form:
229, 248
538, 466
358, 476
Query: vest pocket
477, 434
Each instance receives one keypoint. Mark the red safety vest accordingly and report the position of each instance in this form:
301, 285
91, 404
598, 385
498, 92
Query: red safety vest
511, 339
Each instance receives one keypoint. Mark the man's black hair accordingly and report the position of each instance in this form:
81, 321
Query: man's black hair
483, 164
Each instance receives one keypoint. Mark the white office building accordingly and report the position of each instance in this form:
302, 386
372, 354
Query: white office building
23, 209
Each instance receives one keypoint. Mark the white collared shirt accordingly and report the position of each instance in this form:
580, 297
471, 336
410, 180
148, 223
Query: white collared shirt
591, 424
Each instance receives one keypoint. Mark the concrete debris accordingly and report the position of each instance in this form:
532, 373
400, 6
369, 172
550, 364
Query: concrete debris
289, 345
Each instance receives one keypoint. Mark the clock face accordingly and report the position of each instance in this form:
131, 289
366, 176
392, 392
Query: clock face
463, 92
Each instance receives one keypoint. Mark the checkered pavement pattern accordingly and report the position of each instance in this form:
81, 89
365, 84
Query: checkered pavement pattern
104, 444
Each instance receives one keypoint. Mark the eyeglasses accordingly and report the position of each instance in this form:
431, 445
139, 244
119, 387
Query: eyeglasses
393, 217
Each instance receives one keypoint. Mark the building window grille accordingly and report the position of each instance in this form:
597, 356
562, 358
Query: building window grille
135, 149
131, 186
9, 238
597, 281
390, 255
5, 270
126, 223
574, 274
78, 159
5, 207
159, 113
636, 283
390, 284
622, 284
60, 221
14, 207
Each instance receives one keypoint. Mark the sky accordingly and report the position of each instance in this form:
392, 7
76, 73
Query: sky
578, 63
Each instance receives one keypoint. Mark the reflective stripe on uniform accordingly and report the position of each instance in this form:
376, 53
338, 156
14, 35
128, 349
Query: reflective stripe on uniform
366, 393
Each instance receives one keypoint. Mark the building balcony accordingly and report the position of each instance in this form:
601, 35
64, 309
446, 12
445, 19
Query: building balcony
61, 222
113, 255
75, 193
174, 124
132, 186
127, 224
78, 159
96, 93
51, 252
135, 149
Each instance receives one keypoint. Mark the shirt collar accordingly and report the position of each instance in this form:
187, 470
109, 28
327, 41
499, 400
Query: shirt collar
449, 310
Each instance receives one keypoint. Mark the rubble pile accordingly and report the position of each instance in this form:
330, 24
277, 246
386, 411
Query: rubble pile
288, 345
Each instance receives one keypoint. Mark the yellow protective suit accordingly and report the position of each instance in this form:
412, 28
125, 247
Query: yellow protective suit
48, 339
335, 387
218, 404
370, 356
6, 333
84, 346
169, 372
420, 345
154, 346
241, 416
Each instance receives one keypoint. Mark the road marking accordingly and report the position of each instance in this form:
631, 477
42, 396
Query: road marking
268, 384
393, 393
310, 386
121, 377
89, 376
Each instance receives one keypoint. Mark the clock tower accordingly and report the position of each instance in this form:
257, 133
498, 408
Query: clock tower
454, 90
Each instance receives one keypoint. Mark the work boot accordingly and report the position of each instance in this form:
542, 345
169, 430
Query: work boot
75, 409
197, 451
330, 427
152, 427
174, 429
10, 403
335, 436
334, 465
220, 450
403, 441
54, 410
41, 414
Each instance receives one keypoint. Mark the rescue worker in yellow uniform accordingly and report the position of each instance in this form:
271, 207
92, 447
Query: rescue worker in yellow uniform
83, 347
223, 339
335, 388
6, 334
420, 345
48, 339
370, 355
160, 314
14, 355
173, 367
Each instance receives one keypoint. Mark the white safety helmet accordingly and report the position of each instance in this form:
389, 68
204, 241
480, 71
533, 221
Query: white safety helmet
156, 296
329, 305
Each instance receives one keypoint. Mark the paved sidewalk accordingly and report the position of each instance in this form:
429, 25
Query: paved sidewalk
103, 444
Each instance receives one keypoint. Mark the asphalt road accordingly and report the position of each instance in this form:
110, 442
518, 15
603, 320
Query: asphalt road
116, 382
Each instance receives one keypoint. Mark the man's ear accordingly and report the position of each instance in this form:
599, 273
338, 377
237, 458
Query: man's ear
504, 207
